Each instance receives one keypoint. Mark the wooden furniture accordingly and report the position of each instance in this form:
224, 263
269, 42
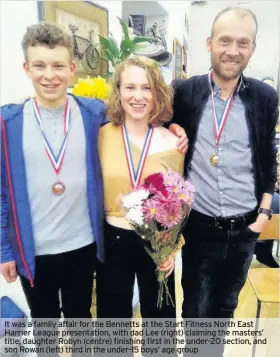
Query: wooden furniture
272, 231
265, 281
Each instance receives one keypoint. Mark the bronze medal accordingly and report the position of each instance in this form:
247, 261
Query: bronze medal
214, 159
219, 123
58, 188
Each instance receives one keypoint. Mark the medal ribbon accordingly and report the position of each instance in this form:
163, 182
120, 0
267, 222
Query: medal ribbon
56, 161
219, 126
136, 176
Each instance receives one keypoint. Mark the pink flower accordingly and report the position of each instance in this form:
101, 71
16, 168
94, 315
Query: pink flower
183, 189
185, 196
170, 217
151, 209
172, 179
168, 201
171, 210
186, 193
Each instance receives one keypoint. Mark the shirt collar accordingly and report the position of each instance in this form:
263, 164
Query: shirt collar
240, 86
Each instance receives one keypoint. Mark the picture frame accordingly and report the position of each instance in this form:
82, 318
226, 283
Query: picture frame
84, 21
278, 86
138, 22
178, 51
185, 63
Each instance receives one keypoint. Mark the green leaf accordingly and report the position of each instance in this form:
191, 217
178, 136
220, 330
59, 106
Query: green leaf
124, 28
138, 39
126, 48
109, 56
113, 47
126, 45
104, 42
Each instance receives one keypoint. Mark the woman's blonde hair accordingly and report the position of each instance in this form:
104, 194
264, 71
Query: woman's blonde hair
162, 93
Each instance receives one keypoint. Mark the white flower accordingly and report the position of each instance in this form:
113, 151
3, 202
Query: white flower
135, 215
134, 198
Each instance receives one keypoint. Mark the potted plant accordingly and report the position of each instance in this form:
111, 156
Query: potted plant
114, 53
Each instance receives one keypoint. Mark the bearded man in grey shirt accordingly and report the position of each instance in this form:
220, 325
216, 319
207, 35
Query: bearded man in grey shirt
230, 122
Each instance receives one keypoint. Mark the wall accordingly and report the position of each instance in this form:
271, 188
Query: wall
147, 8
176, 24
15, 16
266, 58
115, 10
152, 10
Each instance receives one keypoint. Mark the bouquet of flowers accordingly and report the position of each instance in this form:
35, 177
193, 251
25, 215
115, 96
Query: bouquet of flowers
157, 210
92, 88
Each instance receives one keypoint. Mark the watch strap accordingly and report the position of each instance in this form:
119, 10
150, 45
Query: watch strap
266, 211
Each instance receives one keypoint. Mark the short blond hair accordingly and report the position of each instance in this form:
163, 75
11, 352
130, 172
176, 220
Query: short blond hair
240, 11
162, 93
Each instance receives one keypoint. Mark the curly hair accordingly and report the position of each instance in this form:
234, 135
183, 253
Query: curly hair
162, 111
46, 34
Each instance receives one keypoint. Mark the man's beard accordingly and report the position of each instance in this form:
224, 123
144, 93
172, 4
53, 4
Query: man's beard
227, 75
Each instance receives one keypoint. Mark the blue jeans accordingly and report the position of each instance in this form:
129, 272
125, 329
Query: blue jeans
215, 266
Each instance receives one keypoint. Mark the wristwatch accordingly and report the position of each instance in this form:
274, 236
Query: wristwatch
266, 211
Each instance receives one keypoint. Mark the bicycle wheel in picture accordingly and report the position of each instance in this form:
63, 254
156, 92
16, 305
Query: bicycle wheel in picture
85, 50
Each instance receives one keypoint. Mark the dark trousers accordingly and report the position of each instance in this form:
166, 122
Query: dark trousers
125, 258
215, 263
215, 266
72, 274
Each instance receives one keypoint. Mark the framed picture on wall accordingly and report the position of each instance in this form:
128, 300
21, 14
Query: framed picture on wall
84, 21
138, 22
278, 85
185, 63
178, 52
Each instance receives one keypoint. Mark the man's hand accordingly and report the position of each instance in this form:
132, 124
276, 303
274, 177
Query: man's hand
9, 271
183, 141
259, 225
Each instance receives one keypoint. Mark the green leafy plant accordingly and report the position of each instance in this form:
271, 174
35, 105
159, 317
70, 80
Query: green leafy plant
114, 53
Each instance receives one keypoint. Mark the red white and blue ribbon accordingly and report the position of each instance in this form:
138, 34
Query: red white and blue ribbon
135, 176
56, 161
219, 125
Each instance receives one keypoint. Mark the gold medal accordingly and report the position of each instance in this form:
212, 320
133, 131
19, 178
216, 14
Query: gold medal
58, 188
214, 159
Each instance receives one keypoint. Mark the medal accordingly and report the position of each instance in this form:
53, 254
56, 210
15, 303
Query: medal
58, 188
135, 177
218, 124
214, 159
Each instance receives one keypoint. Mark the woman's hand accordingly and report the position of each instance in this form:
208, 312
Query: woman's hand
168, 265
